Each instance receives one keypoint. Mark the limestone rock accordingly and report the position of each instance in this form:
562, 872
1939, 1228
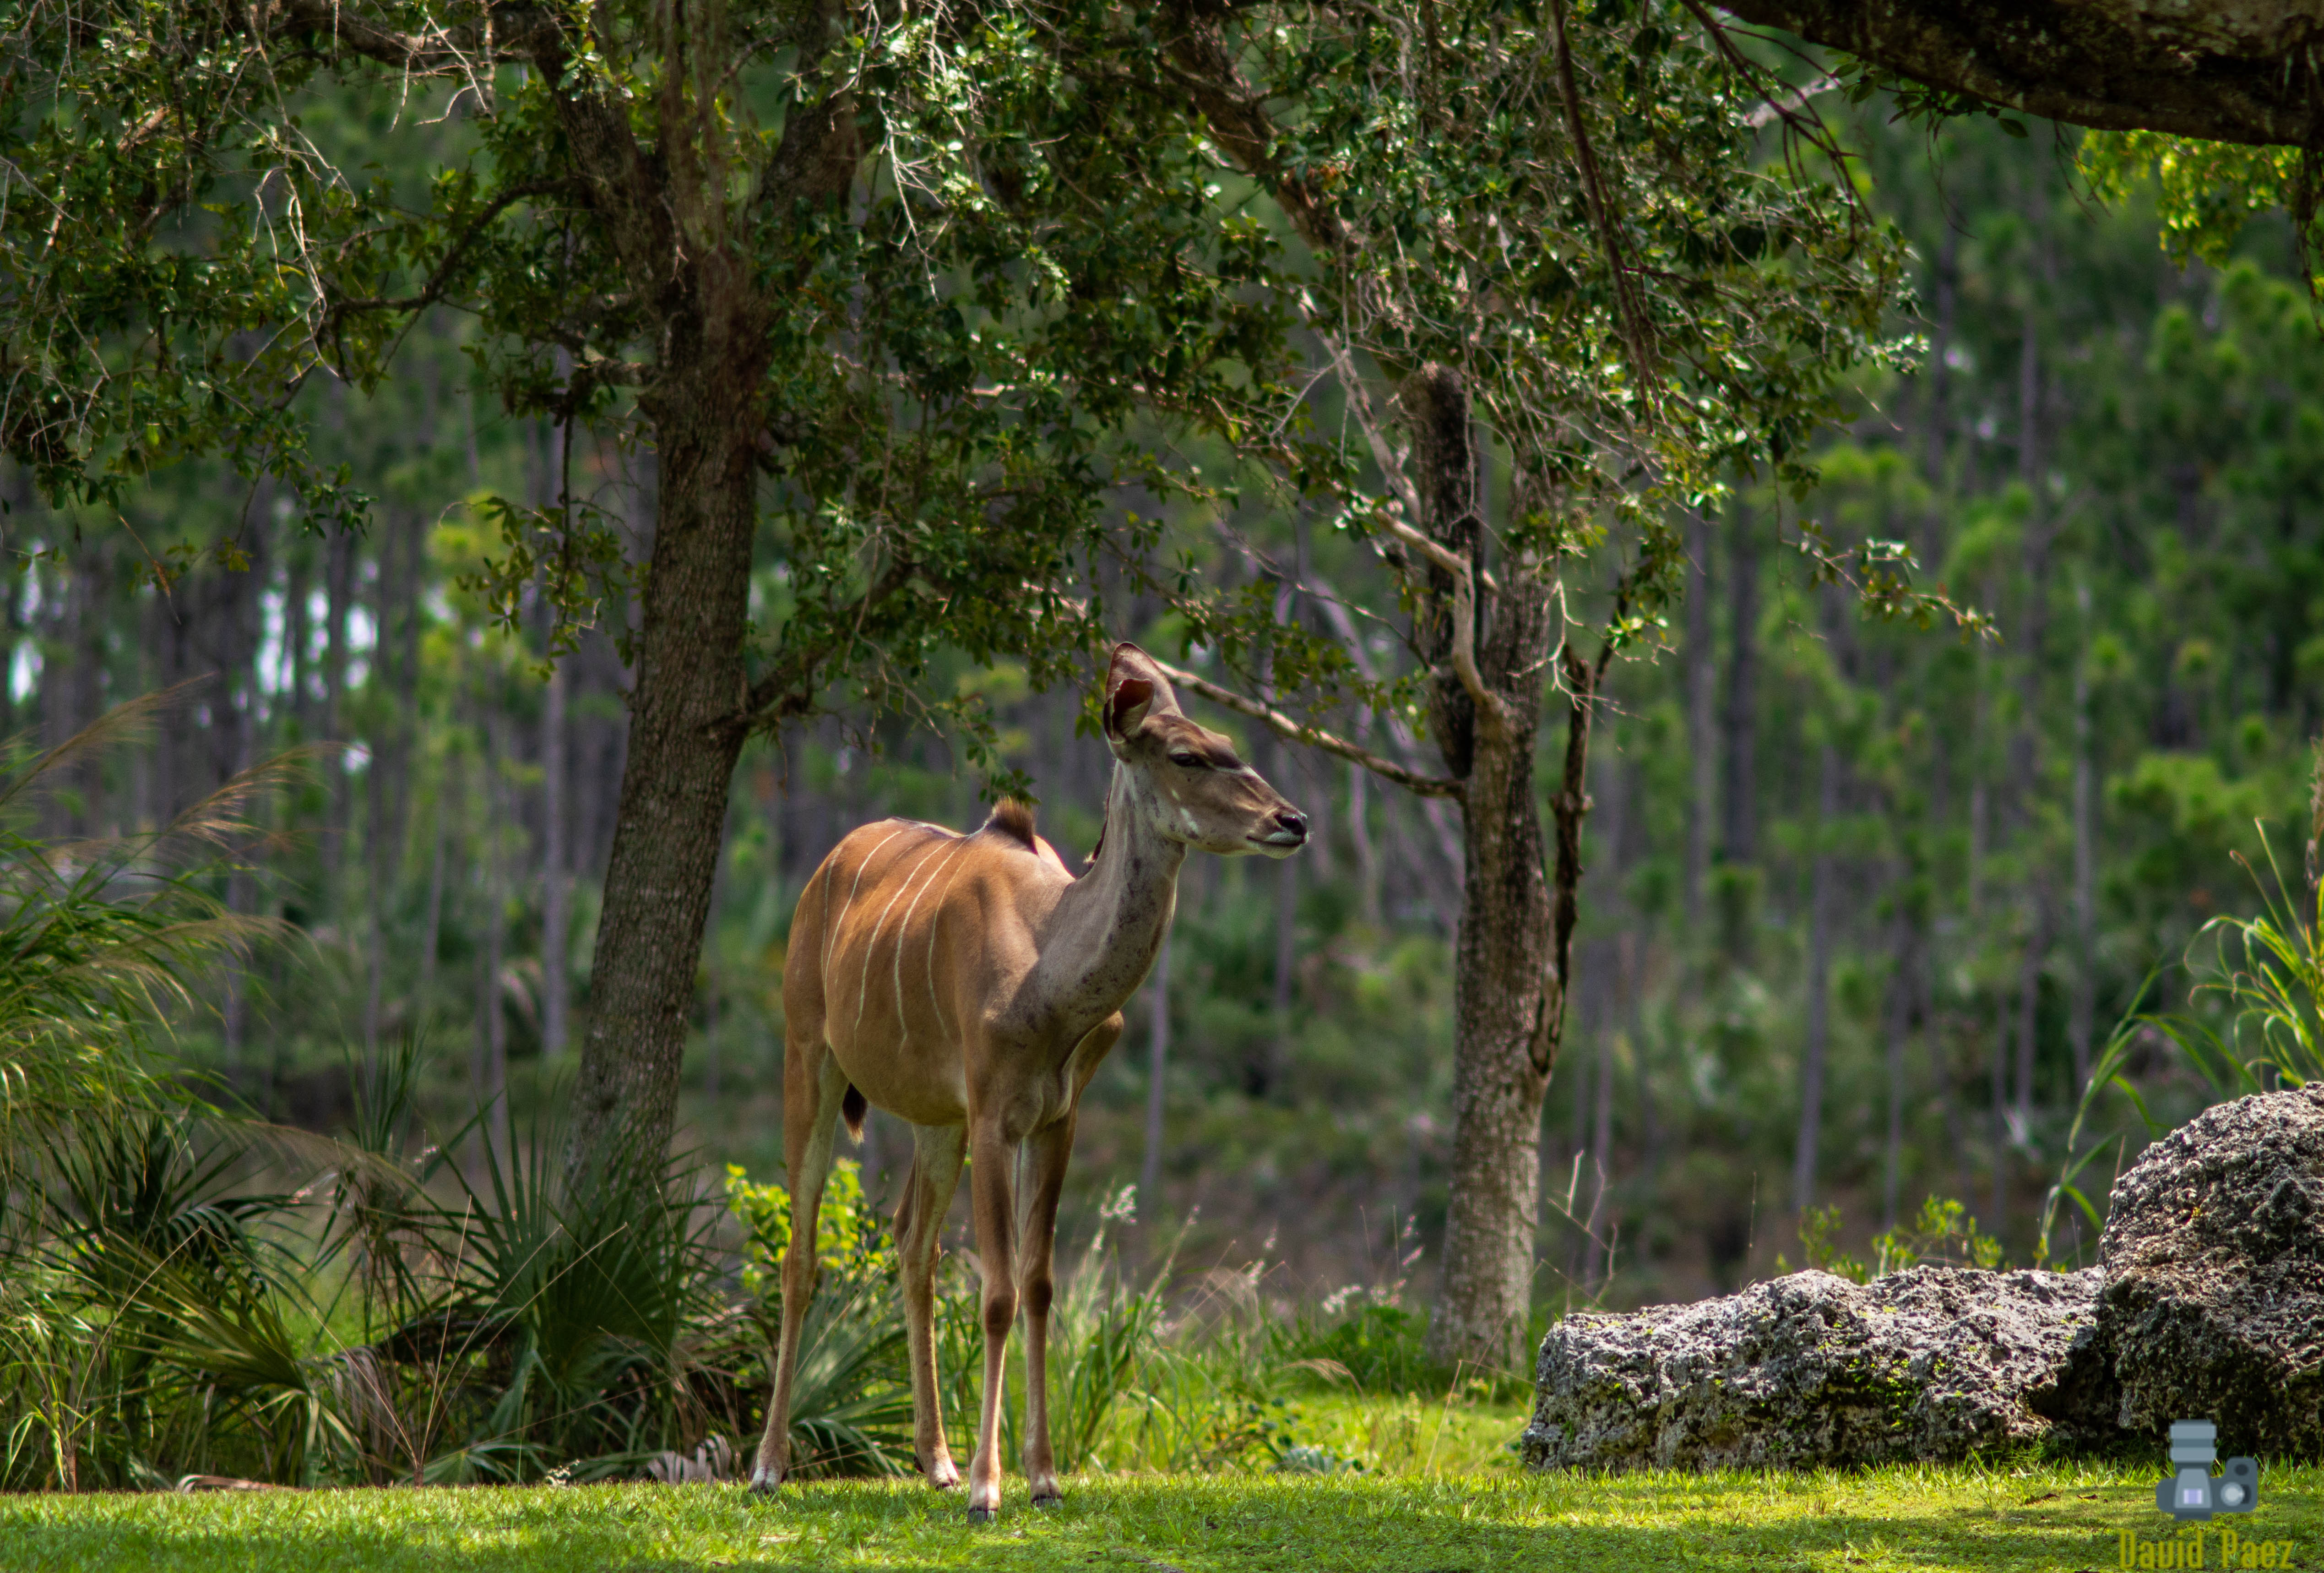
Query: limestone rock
1934, 1363
2213, 1307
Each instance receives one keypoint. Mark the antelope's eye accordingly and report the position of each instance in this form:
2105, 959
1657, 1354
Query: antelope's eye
1191, 761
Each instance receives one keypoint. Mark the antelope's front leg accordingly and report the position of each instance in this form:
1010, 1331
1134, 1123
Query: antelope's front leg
937, 1151
995, 1211
1049, 1150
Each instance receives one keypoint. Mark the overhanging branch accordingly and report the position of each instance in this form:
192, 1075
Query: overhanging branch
2223, 70
1296, 731
502, 33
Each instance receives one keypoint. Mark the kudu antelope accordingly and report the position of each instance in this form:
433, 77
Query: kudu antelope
971, 985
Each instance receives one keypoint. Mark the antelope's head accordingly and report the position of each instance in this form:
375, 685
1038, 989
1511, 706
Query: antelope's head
1185, 780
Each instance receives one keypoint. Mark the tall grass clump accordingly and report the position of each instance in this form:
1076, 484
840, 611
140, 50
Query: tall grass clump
135, 1291
2255, 1022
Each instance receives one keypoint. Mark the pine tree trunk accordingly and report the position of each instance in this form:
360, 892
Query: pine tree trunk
1939, 412
1899, 1027
431, 938
1701, 715
557, 876
2086, 888
234, 721
1819, 1002
338, 589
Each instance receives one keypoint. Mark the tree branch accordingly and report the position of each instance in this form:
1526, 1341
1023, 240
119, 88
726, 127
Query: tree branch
1360, 401
505, 32
1636, 330
1206, 68
1282, 726
441, 279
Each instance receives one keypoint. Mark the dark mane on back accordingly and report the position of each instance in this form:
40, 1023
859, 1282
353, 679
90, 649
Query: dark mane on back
1012, 817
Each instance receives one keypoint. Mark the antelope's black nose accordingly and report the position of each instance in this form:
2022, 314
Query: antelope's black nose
1290, 828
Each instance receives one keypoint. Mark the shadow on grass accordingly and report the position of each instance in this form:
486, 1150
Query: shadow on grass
2039, 1520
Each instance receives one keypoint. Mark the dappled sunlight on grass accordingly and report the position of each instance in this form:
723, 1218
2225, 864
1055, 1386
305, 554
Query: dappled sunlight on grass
2041, 1519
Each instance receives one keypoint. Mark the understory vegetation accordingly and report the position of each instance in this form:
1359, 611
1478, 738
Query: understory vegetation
191, 1295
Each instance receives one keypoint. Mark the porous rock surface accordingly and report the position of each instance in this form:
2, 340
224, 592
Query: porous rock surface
1811, 1370
2213, 1307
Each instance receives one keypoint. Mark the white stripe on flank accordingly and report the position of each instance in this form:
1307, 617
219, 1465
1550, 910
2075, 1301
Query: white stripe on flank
902, 1026
831, 930
864, 984
936, 919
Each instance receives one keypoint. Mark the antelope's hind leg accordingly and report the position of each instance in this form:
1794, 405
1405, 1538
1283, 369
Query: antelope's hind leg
936, 1154
810, 1128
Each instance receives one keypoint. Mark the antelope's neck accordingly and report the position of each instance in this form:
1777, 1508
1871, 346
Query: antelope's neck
1107, 925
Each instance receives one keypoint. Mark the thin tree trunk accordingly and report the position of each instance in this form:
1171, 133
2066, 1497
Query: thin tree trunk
555, 906
61, 691
338, 588
491, 1020
1158, 1064
1940, 410
1739, 801
1360, 830
1277, 1072
1602, 1158
1980, 796
1819, 1002
2085, 894
2000, 1121
21, 502
382, 839
1899, 1025
233, 712
85, 673
1609, 1012
298, 633
446, 807
2029, 1001
1701, 717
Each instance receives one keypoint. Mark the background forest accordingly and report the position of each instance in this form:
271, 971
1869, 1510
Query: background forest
1930, 870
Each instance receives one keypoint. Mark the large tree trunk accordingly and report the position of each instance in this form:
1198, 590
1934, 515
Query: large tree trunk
1503, 982
687, 722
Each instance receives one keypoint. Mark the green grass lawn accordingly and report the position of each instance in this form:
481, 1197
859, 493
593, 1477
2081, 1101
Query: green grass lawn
2049, 1518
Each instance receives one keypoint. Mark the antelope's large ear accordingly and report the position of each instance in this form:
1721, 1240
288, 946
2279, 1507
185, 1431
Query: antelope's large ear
1127, 705
1129, 664
1135, 688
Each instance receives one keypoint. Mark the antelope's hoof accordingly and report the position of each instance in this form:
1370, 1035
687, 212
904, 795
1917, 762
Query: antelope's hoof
982, 1515
943, 1479
1053, 1499
765, 1482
